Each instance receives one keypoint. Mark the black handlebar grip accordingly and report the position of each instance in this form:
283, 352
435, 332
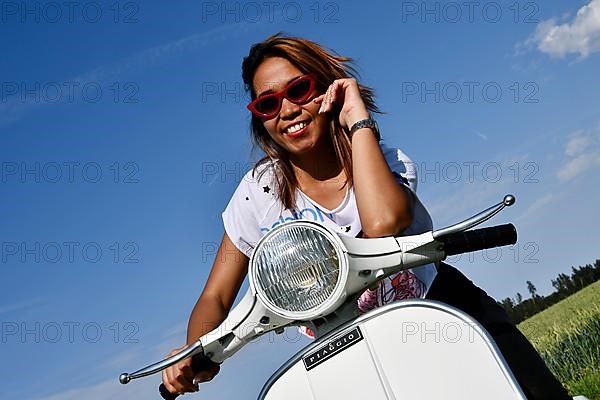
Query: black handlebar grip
165, 394
199, 364
479, 239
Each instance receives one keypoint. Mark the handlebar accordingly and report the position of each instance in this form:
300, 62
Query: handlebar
479, 239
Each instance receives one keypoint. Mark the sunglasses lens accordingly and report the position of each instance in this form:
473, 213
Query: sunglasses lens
267, 105
299, 91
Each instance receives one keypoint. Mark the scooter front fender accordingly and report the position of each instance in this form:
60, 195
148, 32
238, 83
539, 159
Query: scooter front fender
411, 349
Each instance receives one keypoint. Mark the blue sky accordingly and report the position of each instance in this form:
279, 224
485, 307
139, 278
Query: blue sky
124, 133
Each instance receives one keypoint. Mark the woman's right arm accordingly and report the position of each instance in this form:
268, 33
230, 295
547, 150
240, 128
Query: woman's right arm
227, 274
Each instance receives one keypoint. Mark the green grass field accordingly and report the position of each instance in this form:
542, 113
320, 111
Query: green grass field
567, 335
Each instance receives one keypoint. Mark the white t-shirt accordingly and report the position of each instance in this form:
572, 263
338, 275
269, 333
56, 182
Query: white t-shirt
254, 210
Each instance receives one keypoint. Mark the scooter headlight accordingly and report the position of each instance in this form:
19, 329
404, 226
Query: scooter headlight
299, 270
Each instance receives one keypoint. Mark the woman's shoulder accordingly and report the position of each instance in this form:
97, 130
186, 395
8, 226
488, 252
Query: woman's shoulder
256, 192
261, 173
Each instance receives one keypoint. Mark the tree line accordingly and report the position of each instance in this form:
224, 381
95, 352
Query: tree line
565, 285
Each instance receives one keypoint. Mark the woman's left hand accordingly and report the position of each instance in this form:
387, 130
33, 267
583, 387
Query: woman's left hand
344, 92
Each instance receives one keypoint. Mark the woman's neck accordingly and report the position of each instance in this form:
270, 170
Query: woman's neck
317, 166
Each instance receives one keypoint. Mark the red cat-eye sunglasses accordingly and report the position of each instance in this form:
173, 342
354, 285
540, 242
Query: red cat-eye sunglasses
297, 91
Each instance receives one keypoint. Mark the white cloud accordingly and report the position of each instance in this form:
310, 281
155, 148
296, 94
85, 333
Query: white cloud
580, 36
583, 153
481, 135
579, 165
538, 204
578, 142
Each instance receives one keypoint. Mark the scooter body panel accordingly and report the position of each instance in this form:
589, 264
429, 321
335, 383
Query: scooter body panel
412, 349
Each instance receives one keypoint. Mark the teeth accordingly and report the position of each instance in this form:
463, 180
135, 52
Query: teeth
297, 127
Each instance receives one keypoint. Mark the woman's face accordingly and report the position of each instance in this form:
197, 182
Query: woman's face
273, 75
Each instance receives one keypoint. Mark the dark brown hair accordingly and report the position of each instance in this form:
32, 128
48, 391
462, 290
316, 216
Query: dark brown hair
327, 66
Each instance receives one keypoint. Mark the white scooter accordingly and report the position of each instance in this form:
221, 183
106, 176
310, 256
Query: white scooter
304, 274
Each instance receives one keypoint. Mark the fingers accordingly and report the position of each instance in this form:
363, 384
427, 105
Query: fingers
329, 97
168, 380
178, 378
185, 384
319, 98
177, 382
207, 375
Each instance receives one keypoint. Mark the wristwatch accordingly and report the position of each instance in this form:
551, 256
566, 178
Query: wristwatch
366, 123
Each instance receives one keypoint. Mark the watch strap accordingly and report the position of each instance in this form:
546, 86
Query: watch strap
366, 123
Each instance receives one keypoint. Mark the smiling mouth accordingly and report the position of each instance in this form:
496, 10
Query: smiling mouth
296, 128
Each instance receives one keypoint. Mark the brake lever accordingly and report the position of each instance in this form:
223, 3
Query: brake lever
194, 349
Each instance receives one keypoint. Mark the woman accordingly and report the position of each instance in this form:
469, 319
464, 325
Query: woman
324, 162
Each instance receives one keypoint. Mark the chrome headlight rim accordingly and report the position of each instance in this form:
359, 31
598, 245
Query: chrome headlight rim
336, 295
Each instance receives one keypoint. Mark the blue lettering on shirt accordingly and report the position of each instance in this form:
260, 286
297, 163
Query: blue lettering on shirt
309, 213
